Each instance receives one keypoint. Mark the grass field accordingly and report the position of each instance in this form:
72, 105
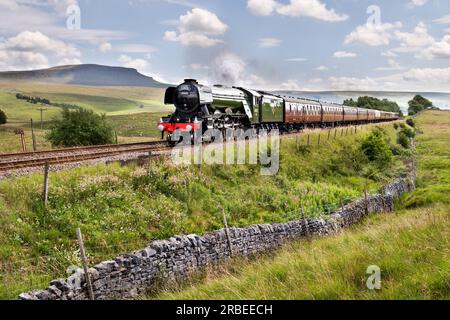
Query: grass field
122, 208
412, 247
132, 111
108, 100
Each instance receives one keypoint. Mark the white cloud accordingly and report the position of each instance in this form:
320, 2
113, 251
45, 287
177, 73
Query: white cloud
141, 65
393, 65
443, 20
171, 36
439, 49
296, 8
322, 68
373, 34
290, 85
35, 41
105, 47
416, 79
352, 83
411, 42
296, 60
418, 3
344, 54
196, 27
39, 15
32, 50
22, 60
428, 75
138, 64
261, 7
69, 61
422, 43
61, 6
389, 54
268, 42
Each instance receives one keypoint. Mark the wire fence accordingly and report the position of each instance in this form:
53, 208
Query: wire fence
24, 274
19, 275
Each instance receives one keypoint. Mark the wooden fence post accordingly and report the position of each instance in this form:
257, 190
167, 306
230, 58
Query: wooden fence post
308, 139
366, 201
85, 264
318, 140
45, 191
335, 133
329, 133
33, 137
304, 218
115, 134
225, 223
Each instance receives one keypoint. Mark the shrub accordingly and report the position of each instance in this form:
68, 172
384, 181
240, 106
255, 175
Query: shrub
408, 132
410, 122
80, 128
396, 126
376, 148
403, 140
3, 117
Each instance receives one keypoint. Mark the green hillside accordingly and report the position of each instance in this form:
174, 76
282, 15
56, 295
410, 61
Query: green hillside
412, 247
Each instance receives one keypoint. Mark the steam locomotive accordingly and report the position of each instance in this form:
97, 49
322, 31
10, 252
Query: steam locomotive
220, 107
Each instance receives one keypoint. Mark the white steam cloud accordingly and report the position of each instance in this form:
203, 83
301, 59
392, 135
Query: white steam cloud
228, 68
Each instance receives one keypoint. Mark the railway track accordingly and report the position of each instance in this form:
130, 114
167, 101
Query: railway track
29, 160
14, 161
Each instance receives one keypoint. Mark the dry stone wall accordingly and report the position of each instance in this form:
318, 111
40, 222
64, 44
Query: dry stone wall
141, 271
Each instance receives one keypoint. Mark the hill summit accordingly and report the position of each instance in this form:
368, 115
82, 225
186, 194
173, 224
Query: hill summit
84, 74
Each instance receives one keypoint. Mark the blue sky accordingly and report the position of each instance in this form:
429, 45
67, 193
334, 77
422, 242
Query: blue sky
271, 44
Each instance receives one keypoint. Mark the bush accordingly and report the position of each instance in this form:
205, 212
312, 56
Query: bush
80, 128
376, 148
3, 117
408, 132
403, 140
410, 122
396, 126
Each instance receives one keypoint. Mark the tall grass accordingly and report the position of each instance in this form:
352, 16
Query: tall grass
122, 208
411, 247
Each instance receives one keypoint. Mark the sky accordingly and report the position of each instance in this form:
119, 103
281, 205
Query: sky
382, 45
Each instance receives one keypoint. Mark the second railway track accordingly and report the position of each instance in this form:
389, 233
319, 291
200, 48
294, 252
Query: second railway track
15, 161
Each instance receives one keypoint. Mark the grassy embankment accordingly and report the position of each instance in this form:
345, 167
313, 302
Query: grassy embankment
132, 111
410, 246
122, 208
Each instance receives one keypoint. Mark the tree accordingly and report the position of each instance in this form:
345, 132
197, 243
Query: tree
376, 148
373, 103
3, 117
350, 102
417, 104
80, 128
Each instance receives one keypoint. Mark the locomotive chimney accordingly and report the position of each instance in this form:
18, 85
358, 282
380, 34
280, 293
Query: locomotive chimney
190, 81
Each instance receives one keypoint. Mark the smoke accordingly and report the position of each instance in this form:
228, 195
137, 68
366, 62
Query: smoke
228, 68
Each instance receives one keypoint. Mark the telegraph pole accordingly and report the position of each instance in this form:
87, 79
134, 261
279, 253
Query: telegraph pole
41, 109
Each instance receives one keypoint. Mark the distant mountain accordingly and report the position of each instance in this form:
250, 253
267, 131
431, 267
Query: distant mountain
84, 74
